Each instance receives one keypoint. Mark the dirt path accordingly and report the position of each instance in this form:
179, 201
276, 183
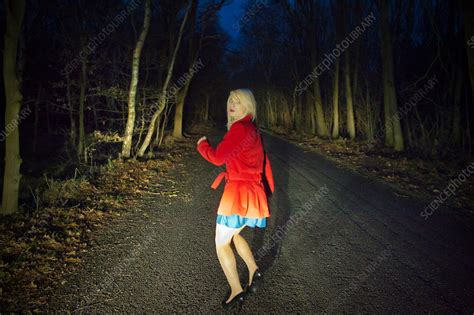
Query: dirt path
336, 242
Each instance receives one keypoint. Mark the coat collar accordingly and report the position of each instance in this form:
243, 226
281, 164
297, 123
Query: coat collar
246, 118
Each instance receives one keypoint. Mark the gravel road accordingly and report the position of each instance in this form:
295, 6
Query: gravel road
336, 242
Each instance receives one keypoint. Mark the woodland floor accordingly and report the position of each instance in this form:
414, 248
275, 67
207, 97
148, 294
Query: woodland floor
140, 238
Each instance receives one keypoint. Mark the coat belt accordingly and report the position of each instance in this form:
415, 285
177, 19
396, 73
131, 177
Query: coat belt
235, 176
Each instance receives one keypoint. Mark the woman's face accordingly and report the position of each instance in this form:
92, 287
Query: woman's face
236, 110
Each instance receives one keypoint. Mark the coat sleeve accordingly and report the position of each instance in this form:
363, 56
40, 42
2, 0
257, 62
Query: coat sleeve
226, 149
269, 174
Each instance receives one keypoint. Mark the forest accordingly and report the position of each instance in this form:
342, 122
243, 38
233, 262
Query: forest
100, 97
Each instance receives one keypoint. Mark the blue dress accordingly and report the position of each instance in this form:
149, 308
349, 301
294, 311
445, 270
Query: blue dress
236, 221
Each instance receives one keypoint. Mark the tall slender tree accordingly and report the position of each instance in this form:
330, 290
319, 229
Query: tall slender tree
162, 100
132, 95
195, 48
81, 144
310, 10
350, 122
393, 130
181, 96
15, 10
336, 10
468, 9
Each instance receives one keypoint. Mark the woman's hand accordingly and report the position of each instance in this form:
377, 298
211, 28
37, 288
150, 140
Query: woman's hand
201, 139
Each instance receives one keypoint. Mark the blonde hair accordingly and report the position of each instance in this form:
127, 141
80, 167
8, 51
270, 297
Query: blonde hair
246, 98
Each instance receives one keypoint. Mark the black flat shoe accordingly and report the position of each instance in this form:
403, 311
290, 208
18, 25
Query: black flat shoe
257, 282
238, 299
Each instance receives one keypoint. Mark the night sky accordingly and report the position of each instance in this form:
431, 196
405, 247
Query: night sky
231, 13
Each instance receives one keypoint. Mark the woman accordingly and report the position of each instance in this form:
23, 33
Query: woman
244, 202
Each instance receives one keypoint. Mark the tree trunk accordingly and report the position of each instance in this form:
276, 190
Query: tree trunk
178, 116
162, 100
349, 104
128, 137
161, 133
393, 130
457, 107
298, 111
163, 124
192, 57
371, 118
72, 122
94, 112
272, 108
142, 128
36, 121
157, 133
306, 114
151, 128
468, 9
15, 10
206, 108
82, 100
321, 127
335, 102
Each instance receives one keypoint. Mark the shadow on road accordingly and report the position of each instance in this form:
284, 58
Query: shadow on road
267, 249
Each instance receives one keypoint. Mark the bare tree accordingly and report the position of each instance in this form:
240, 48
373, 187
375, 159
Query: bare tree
310, 10
82, 99
15, 10
468, 9
347, 80
208, 16
127, 142
335, 92
393, 130
162, 100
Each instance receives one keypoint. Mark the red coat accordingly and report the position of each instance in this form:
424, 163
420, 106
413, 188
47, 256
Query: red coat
242, 151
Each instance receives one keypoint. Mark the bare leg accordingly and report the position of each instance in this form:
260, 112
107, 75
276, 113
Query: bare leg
229, 266
244, 251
